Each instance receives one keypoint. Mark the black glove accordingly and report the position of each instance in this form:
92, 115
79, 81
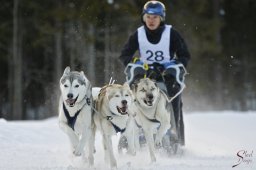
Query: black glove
158, 68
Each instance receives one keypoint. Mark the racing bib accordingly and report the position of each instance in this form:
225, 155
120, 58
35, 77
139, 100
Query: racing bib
150, 53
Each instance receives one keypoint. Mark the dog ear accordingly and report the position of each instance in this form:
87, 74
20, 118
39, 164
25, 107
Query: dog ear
156, 84
89, 87
108, 91
85, 78
82, 72
126, 85
66, 71
134, 87
138, 80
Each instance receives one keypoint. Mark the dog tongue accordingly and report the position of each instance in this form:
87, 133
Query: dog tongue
149, 102
70, 101
123, 109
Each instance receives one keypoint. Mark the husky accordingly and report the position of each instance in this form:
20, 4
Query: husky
152, 113
113, 116
75, 112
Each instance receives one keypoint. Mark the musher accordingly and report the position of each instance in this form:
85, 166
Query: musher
163, 57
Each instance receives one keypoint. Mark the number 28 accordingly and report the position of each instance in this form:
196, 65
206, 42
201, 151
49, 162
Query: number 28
155, 56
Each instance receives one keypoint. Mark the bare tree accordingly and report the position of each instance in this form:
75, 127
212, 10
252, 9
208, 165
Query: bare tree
16, 87
91, 53
58, 51
107, 56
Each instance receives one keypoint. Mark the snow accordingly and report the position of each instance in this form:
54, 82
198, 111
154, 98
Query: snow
213, 140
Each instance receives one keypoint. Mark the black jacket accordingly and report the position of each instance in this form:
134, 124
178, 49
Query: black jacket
177, 45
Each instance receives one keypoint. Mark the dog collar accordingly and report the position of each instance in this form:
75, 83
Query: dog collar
113, 114
87, 99
109, 117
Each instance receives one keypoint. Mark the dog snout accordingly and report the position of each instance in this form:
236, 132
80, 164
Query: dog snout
150, 96
70, 95
124, 102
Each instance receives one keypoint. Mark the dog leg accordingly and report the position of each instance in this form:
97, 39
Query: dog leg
71, 134
137, 138
86, 135
109, 149
88, 151
164, 117
130, 135
161, 132
150, 141
106, 152
91, 148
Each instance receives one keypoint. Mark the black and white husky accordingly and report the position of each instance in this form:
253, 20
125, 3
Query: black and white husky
75, 112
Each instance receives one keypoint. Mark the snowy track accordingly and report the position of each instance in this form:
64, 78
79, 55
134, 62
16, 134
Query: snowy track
212, 143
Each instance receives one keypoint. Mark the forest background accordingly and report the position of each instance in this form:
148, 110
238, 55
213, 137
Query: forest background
38, 39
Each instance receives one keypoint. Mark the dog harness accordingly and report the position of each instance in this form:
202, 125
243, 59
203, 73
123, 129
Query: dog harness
109, 118
72, 120
151, 120
117, 129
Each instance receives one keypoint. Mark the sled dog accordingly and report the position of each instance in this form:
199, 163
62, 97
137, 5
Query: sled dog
113, 116
151, 112
75, 112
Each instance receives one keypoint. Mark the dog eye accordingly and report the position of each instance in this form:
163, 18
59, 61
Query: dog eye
126, 95
117, 95
65, 85
77, 86
143, 90
153, 88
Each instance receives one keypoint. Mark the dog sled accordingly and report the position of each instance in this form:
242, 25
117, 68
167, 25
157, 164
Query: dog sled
174, 73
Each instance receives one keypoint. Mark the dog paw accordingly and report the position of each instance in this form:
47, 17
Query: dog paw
158, 141
131, 152
77, 152
153, 159
113, 165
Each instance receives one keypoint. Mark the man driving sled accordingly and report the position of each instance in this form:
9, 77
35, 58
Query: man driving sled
163, 57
